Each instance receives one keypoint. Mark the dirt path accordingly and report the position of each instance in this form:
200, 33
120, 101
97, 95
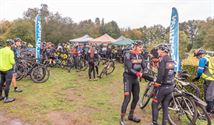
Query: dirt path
145, 115
7, 120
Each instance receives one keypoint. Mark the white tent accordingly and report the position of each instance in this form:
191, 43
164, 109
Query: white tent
84, 39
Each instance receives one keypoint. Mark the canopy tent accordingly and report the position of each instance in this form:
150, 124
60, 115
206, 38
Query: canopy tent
84, 39
123, 42
104, 39
121, 38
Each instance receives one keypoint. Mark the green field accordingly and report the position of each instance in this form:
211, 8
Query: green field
69, 99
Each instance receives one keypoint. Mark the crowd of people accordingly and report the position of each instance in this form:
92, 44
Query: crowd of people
76, 55
133, 57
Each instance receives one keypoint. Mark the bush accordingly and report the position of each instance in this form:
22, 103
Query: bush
192, 71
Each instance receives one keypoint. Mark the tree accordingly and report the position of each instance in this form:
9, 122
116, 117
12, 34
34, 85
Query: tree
209, 39
205, 34
183, 42
112, 29
4, 26
97, 22
191, 29
22, 29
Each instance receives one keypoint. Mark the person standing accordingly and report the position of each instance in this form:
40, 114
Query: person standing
92, 59
6, 70
164, 85
206, 72
75, 56
17, 50
134, 68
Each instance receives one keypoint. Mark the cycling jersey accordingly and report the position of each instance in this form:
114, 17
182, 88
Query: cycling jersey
6, 59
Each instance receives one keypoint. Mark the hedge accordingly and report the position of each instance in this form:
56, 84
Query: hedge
192, 70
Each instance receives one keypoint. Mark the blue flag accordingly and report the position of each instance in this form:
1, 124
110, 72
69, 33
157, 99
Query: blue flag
174, 39
38, 33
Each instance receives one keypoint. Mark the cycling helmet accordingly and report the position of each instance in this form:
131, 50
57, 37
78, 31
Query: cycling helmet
154, 52
10, 42
164, 47
199, 52
17, 39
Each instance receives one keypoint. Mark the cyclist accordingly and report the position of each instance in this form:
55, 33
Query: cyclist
109, 52
79, 57
134, 65
154, 59
206, 72
92, 59
75, 54
6, 70
17, 50
164, 84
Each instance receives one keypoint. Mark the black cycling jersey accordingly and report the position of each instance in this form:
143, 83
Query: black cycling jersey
166, 71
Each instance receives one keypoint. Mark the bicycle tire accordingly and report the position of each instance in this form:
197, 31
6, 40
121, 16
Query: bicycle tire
42, 78
102, 73
144, 101
204, 113
113, 68
20, 72
194, 116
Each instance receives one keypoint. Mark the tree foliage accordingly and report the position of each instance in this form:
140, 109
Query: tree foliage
55, 28
22, 29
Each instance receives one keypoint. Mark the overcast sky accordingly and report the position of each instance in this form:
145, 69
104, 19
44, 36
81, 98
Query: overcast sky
127, 13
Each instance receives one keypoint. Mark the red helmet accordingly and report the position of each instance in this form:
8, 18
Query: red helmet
199, 52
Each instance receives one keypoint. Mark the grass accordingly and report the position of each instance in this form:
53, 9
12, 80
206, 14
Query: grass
68, 92
71, 99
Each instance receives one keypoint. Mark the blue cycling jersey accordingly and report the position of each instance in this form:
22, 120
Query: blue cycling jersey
201, 66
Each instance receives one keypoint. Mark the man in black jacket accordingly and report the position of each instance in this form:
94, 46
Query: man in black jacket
164, 84
134, 68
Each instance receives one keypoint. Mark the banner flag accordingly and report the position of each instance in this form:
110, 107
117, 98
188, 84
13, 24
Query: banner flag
38, 33
174, 39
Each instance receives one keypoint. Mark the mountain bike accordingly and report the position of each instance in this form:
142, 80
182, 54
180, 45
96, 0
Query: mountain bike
109, 67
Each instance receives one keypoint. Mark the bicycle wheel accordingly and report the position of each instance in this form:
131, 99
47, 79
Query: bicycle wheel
102, 73
82, 65
146, 97
20, 72
182, 110
110, 68
39, 73
46, 77
203, 117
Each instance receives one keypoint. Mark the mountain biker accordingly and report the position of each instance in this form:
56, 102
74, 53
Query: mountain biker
206, 72
154, 59
92, 59
164, 84
75, 54
6, 70
109, 52
17, 50
134, 68
79, 57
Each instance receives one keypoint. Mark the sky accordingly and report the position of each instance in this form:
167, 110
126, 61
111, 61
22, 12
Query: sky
127, 13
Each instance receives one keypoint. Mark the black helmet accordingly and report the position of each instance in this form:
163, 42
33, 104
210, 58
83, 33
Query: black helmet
164, 47
138, 43
10, 42
154, 52
199, 52
17, 39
